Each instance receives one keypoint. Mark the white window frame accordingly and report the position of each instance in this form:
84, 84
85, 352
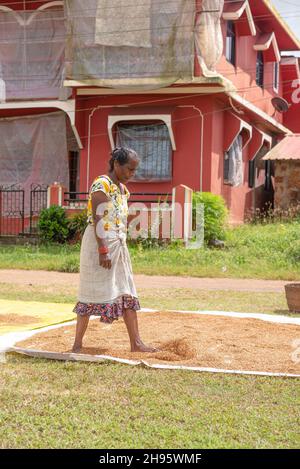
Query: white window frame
165, 118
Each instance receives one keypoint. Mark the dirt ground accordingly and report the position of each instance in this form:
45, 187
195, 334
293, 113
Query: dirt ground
40, 277
187, 339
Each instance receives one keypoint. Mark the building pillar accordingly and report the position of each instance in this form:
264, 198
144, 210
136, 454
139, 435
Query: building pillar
182, 212
56, 194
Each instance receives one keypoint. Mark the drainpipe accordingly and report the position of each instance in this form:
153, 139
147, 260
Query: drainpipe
201, 142
89, 149
89, 144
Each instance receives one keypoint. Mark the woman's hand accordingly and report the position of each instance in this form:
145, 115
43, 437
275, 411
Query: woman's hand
105, 261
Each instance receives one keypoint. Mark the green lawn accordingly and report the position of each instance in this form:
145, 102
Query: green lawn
49, 404
252, 251
52, 404
163, 298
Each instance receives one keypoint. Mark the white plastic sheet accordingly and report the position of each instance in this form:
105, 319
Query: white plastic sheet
112, 30
234, 163
32, 54
33, 150
208, 35
160, 48
8, 341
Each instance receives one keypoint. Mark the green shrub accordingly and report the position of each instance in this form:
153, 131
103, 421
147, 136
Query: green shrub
77, 224
53, 225
215, 214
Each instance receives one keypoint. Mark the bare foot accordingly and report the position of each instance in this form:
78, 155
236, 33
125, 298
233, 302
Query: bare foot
144, 348
76, 348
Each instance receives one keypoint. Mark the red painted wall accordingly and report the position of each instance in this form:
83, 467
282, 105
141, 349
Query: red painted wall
19, 5
238, 199
25, 112
292, 118
243, 75
186, 123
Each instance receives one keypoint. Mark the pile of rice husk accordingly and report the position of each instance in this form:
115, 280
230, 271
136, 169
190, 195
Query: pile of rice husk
187, 339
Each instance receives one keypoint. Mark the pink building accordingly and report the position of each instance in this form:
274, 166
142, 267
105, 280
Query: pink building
188, 84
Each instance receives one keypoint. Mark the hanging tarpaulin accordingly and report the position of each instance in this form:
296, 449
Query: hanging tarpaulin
34, 150
32, 54
233, 165
72, 142
112, 30
208, 35
2, 87
130, 43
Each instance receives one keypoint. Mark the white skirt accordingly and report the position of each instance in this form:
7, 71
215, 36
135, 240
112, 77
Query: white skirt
98, 286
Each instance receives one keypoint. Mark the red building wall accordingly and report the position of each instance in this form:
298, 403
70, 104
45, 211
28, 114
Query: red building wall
186, 124
238, 199
243, 76
20, 5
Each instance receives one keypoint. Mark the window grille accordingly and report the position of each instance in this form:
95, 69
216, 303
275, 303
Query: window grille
152, 144
260, 69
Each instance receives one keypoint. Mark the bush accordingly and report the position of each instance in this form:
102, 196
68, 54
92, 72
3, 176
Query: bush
215, 214
53, 225
77, 224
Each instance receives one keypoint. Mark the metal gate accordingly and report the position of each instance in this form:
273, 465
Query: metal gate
38, 201
11, 210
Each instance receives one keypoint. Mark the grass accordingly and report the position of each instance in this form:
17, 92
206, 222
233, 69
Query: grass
49, 404
269, 251
163, 298
52, 404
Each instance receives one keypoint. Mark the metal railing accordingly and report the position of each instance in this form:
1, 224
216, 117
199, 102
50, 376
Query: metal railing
38, 201
12, 200
156, 197
143, 197
73, 197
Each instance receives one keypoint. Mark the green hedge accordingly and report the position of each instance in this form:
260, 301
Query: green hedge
215, 214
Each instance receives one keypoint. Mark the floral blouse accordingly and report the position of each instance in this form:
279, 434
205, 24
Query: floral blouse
117, 208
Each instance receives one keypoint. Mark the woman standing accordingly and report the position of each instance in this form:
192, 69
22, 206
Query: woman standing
106, 281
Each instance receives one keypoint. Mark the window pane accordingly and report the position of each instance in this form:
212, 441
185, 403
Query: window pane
152, 144
230, 43
260, 69
276, 76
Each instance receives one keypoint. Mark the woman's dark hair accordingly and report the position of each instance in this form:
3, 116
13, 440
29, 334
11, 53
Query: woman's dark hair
122, 156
